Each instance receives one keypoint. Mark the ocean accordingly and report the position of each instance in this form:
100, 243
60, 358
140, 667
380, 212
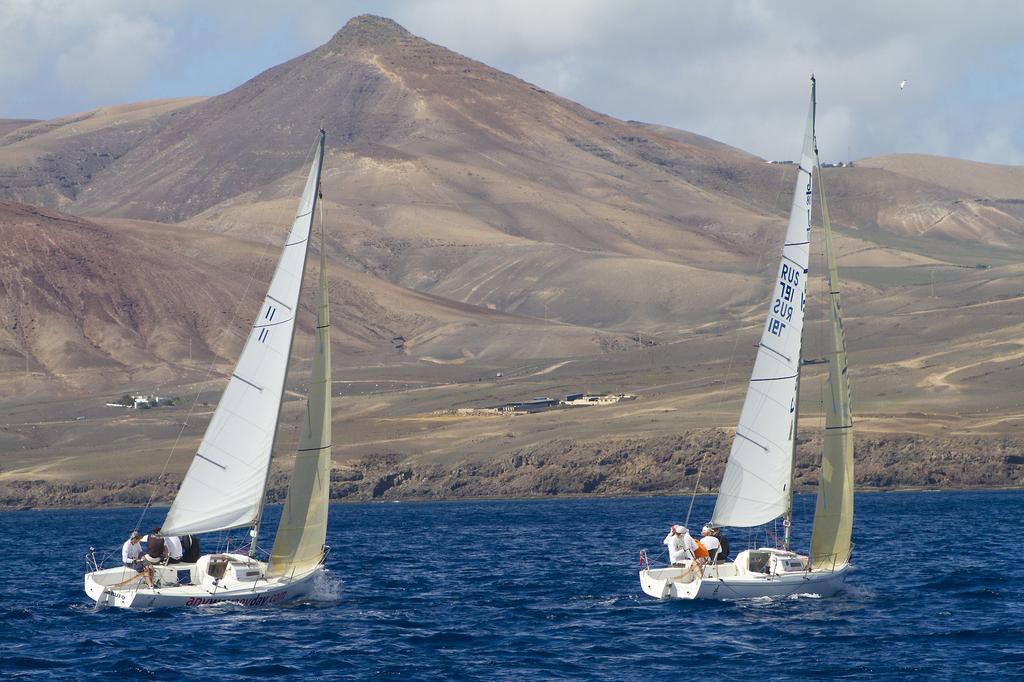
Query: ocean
542, 589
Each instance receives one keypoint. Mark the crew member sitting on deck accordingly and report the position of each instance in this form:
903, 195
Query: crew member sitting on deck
680, 545
131, 556
156, 550
190, 545
174, 549
712, 544
700, 553
723, 556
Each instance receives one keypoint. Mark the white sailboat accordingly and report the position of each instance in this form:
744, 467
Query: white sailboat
225, 486
757, 486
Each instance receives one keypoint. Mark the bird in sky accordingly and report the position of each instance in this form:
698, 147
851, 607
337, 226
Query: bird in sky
903, 84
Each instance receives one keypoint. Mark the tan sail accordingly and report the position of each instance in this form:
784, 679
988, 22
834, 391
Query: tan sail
833, 510
302, 531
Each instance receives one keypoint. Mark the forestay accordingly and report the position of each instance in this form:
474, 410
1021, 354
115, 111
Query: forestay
225, 484
755, 486
833, 510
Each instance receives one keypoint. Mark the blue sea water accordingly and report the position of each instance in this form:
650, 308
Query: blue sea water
538, 590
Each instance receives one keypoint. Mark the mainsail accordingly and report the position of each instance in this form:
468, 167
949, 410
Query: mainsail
833, 510
302, 531
756, 485
226, 482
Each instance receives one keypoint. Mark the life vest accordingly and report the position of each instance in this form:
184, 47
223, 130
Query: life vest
701, 552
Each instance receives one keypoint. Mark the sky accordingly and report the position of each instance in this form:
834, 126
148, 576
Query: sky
734, 71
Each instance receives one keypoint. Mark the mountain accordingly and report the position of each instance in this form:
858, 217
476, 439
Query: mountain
489, 241
448, 178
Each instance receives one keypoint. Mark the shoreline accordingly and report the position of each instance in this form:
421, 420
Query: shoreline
522, 498
678, 465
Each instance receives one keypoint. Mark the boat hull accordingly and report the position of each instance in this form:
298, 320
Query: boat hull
735, 580
101, 586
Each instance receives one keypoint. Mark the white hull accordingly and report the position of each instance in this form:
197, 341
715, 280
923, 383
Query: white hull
198, 589
733, 580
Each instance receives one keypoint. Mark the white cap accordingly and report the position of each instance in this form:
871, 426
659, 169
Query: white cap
680, 529
707, 529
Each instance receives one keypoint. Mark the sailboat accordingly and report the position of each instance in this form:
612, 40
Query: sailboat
225, 486
757, 486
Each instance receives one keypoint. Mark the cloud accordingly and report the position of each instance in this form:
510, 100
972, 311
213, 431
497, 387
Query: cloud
116, 54
69, 55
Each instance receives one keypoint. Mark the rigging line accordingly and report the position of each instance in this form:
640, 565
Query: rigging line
721, 401
213, 361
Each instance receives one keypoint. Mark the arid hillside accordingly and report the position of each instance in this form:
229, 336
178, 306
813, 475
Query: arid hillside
86, 304
488, 241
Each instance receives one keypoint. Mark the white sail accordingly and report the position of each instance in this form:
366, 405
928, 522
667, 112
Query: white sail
302, 530
756, 485
225, 485
833, 509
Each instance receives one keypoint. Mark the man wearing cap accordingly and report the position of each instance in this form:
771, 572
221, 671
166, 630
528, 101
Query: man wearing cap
710, 542
680, 545
131, 556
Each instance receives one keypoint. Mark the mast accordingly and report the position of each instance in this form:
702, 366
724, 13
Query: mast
255, 532
787, 519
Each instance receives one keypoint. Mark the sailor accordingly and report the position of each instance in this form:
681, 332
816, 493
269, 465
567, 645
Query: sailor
700, 554
131, 556
724, 541
711, 543
174, 549
156, 549
190, 547
681, 546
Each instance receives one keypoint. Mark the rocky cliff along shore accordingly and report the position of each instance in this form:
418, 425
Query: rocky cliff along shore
658, 466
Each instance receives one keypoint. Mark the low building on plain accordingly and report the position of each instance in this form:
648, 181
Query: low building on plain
580, 400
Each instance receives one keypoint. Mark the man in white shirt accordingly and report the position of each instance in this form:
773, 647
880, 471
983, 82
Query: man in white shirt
174, 549
132, 557
680, 545
710, 542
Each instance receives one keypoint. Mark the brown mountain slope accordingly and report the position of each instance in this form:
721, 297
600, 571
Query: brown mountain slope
978, 180
97, 305
52, 162
88, 304
9, 124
